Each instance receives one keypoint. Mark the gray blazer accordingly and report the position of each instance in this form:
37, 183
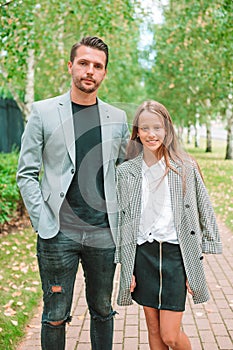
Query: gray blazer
48, 142
194, 221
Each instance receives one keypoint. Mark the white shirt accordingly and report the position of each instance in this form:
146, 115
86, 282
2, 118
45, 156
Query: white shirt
156, 222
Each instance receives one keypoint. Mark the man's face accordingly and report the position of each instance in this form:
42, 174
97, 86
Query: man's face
88, 69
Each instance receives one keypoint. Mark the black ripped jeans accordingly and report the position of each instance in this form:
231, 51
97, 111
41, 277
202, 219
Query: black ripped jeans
58, 260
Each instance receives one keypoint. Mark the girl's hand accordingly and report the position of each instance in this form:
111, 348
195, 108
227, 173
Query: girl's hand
188, 288
133, 284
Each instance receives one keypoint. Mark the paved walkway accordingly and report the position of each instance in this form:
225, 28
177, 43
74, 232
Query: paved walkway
209, 326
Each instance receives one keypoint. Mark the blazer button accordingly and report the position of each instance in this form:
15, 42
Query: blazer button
72, 171
62, 194
202, 257
192, 233
187, 205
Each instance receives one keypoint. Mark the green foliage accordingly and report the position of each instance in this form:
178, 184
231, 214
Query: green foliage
17, 35
192, 70
51, 28
20, 288
9, 193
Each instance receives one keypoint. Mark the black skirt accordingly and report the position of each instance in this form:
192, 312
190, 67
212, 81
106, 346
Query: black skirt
160, 276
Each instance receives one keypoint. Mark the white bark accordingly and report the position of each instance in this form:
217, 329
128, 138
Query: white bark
29, 93
197, 131
61, 49
12, 91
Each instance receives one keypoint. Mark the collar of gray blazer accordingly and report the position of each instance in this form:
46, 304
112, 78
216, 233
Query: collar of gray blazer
66, 116
136, 165
65, 98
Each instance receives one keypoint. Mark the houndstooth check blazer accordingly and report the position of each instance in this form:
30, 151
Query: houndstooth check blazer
194, 219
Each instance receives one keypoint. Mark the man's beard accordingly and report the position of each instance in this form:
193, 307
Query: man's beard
80, 86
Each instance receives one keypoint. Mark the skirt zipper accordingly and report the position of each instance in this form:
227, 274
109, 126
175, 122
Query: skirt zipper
160, 274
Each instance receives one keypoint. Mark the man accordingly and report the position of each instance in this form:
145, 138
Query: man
78, 140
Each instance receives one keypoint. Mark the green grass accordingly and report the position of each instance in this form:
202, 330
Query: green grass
218, 176
20, 290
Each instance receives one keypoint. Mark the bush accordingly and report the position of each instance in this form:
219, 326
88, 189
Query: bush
9, 192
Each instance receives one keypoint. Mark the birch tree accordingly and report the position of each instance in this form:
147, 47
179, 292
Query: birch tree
37, 38
192, 65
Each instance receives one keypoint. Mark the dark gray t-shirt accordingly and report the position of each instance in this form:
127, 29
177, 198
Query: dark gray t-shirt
84, 208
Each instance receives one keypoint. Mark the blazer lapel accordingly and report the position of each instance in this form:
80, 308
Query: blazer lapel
106, 133
66, 116
176, 191
135, 185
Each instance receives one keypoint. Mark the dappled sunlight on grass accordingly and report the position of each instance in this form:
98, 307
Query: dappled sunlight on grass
19, 285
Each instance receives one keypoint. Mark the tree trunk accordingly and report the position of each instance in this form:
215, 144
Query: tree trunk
229, 148
208, 138
197, 133
197, 138
29, 93
61, 49
13, 91
189, 136
180, 133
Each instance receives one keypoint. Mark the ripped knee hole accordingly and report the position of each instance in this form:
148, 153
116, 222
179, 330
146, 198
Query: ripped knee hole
56, 289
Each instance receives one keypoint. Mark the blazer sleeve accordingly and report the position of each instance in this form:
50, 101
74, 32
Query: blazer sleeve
211, 242
124, 140
29, 166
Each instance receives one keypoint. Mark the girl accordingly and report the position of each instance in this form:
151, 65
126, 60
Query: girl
166, 222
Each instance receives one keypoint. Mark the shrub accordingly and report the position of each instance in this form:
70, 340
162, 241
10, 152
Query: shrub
9, 192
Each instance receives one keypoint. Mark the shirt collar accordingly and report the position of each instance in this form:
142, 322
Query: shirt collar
160, 163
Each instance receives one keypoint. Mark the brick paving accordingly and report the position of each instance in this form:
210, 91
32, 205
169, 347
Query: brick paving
209, 325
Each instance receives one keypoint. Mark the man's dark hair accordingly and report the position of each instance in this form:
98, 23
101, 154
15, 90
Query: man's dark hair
91, 41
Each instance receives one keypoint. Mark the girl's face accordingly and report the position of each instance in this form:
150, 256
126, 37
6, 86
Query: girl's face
151, 131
